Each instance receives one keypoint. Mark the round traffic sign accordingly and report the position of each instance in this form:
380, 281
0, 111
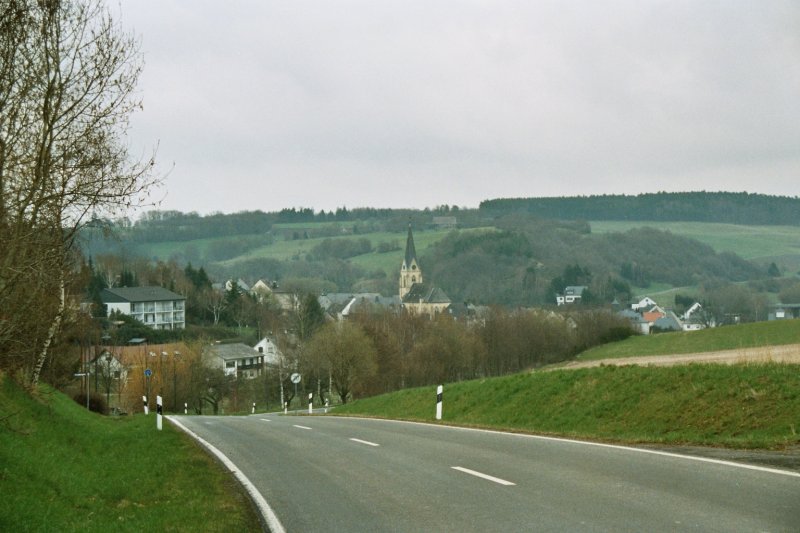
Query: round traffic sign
148, 372
295, 378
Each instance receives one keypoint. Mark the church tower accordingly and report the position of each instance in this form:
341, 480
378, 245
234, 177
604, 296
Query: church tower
410, 272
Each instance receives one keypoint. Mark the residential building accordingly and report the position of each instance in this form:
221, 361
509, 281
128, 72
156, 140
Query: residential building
155, 307
237, 359
270, 351
572, 295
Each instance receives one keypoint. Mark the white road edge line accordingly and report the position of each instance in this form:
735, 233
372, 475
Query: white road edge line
267, 514
481, 475
265, 419
744, 466
301, 427
368, 443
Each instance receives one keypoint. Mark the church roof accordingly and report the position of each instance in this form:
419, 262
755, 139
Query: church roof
411, 252
420, 292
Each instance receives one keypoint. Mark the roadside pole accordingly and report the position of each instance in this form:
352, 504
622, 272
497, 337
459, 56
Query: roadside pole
254, 408
144, 401
310, 402
439, 390
158, 413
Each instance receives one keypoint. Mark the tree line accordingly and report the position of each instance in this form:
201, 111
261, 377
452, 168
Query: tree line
724, 207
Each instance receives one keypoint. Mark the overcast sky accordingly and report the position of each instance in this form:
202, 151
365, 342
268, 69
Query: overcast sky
324, 104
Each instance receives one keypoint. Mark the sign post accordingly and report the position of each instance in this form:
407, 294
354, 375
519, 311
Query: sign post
147, 374
295, 379
86, 375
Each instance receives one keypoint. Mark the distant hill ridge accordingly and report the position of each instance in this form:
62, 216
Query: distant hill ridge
722, 207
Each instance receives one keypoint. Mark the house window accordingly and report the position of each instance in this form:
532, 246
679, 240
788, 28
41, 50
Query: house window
230, 364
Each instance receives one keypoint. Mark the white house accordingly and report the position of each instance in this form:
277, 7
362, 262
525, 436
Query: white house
644, 303
572, 294
236, 359
153, 306
270, 351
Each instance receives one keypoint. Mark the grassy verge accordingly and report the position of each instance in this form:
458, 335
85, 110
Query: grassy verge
743, 406
753, 335
65, 469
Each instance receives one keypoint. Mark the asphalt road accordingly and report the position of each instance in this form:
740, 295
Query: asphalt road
344, 474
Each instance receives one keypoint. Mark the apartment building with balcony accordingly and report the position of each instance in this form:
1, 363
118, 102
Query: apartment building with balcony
155, 307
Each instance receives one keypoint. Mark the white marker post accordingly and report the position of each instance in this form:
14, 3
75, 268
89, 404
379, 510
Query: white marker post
185, 408
285, 407
254, 408
158, 413
144, 400
310, 402
439, 390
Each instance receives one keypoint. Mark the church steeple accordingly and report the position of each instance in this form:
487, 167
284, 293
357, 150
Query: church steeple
410, 272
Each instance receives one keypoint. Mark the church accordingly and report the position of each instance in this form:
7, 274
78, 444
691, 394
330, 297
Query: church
416, 296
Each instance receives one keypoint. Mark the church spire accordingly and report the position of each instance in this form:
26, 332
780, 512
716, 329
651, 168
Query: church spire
411, 252
410, 272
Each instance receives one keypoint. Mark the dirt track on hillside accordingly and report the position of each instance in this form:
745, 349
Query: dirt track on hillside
789, 353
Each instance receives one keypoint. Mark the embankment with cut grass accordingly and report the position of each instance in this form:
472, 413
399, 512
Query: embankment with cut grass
739, 406
742, 336
63, 468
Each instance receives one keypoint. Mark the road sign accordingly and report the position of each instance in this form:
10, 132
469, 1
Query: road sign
295, 378
148, 372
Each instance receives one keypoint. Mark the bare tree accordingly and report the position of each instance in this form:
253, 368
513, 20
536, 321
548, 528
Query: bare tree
67, 80
347, 353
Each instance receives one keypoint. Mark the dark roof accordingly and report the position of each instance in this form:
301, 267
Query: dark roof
419, 292
138, 294
667, 322
411, 251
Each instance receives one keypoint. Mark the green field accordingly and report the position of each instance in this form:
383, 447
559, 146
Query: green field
63, 468
294, 249
749, 242
753, 335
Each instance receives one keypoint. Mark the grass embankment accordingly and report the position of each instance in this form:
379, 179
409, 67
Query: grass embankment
63, 468
742, 406
755, 335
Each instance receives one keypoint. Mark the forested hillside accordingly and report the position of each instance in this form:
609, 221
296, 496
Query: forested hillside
529, 260
728, 207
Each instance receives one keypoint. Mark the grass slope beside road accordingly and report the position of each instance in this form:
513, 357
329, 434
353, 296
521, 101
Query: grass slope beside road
741, 406
63, 468
755, 335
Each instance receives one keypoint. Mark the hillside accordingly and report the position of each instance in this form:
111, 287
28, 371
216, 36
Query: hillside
742, 406
739, 337
63, 468
720, 207
517, 260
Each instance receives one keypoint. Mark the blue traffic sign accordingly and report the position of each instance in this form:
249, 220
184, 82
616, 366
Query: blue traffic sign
148, 372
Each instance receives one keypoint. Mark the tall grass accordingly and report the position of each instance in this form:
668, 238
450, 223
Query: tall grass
745, 406
65, 469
